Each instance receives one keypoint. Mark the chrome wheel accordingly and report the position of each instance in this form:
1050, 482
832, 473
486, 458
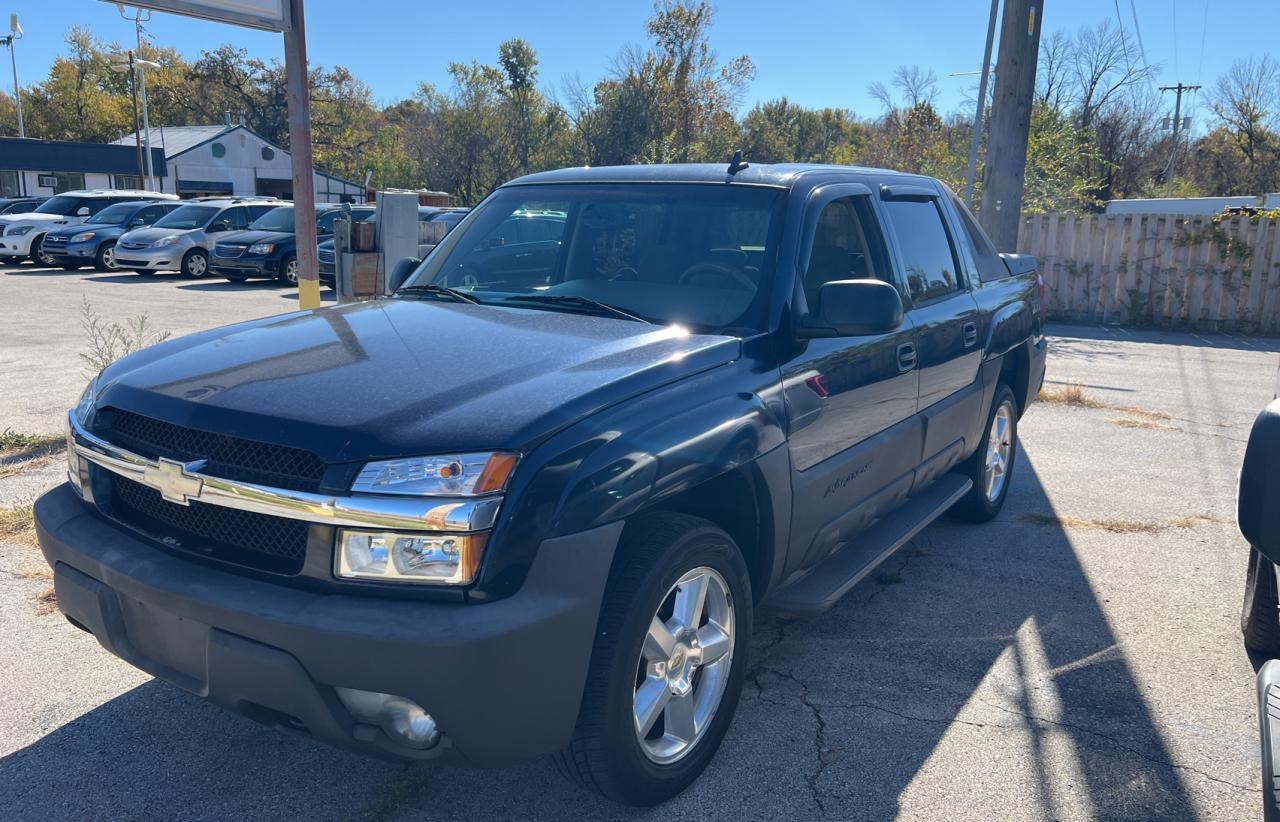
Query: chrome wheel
999, 450
291, 272
684, 665
41, 257
197, 265
109, 258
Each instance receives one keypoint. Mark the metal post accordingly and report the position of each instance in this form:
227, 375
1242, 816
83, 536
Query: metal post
982, 101
137, 133
304, 183
1004, 173
146, 120
17, 94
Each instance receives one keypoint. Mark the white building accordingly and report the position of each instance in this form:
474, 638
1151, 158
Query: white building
232, 160
1190, 205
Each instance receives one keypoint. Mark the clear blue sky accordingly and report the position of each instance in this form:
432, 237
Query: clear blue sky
845, 44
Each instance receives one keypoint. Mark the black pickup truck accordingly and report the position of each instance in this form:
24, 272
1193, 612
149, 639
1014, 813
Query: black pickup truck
529, 504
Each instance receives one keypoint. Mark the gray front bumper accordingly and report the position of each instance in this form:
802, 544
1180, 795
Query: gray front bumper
504, 679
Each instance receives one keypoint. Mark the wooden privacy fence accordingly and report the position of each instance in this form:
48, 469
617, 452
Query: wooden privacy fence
1159, 270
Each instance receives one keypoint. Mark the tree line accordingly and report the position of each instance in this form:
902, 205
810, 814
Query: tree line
1097, 130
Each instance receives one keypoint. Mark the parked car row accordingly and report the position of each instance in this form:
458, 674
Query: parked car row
238, 238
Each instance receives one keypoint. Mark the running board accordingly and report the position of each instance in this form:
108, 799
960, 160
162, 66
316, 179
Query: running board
823, 585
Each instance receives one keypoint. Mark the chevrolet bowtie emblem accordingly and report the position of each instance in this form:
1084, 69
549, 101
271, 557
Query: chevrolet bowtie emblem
173, 479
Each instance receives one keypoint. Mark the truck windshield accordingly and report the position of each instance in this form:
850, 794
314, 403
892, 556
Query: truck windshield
697, 255
189, 216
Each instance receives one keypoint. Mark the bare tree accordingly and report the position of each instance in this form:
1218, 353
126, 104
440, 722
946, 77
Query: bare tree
1051, 70
1247, 101
1103, 64
919, 86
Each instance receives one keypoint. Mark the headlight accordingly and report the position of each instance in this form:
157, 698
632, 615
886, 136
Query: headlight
85, 404
261, 248
82, 236
163, 241
450, 559
451, 475
19, 231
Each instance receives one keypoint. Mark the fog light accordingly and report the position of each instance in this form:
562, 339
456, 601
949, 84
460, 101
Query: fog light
401, 719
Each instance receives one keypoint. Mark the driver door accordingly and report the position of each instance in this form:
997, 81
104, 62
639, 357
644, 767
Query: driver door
851, 401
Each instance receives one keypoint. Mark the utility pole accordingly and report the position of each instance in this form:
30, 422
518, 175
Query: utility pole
982, 101
1005, 169
304, 180
15, 33
1177, 123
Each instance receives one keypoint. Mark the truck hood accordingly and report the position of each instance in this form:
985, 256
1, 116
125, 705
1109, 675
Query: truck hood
405, 377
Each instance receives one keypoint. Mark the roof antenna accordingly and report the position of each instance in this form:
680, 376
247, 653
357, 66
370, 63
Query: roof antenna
737, 164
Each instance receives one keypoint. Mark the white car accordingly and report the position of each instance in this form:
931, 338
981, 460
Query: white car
22, 234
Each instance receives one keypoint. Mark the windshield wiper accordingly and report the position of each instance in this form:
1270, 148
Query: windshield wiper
578, 301
438, 290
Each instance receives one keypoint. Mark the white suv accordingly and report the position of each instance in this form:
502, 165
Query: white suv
181, 240
22, 234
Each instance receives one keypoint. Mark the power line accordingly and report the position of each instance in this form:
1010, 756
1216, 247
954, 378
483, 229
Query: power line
1142, 49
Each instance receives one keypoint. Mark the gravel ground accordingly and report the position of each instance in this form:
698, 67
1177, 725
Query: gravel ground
1077, 658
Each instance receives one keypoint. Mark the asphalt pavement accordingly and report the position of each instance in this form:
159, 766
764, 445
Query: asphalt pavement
1077, 658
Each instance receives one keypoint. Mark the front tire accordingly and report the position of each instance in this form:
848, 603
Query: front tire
38, 255
671, 651
1260, 616
288, 271
195, 264
105, 259
991, 466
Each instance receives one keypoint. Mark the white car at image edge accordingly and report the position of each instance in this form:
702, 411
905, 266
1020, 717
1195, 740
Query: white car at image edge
20, 234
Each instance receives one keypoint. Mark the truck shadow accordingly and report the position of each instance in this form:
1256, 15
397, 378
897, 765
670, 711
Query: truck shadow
980, 652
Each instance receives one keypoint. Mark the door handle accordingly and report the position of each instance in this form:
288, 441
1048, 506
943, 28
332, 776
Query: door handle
906, 357
970, 334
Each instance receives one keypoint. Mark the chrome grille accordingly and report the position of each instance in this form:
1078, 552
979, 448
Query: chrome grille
253, 540
228, 457
228, 250
325, 255
55, 241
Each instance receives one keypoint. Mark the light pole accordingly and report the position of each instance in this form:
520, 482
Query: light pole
15, 33
141, 16
130, 63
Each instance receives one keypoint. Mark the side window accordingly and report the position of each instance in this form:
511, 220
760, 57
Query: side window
237, 218
148, 215
324, 223
256, 211
990, 266
845, 247
930, 261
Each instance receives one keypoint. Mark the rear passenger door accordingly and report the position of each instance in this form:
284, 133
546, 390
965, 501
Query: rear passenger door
945, 318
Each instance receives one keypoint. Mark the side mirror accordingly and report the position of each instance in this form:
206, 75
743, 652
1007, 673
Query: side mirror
401, 272
136, 221
82, 211
853, 308
1258, 503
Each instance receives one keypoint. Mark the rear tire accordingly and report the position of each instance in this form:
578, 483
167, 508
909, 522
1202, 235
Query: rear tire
663, 559
105, 259
990, 468
1260, 616
195, 264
